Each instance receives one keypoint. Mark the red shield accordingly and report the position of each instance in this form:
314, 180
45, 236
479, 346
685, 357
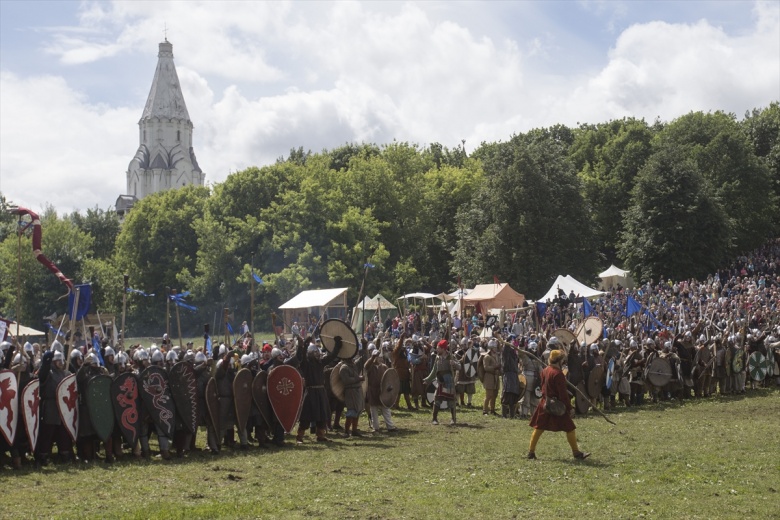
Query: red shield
9, 405
285, 391
68, 405
30, 410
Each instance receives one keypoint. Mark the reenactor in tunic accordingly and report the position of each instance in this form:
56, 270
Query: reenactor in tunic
51, 373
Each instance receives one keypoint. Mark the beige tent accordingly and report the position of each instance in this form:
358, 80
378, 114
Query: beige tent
23, 331
615, 276
494, 296
373, 306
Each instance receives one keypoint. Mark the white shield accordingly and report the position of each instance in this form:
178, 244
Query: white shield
30, 408
9, 405
68, 405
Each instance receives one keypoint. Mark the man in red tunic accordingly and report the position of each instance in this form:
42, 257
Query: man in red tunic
554, 386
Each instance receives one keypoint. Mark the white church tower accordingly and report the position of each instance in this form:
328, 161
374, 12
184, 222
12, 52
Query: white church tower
165, 158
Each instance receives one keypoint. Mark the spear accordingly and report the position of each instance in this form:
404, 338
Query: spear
568, 383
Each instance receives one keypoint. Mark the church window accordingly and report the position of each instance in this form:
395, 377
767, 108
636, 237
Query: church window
178, 135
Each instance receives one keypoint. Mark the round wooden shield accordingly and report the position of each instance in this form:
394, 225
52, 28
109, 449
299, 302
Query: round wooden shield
285, 391
430, 395
391, 386
590, 330
184, 390
336, 328
101, 411
659, 372
212, 406
523, 382
126, 401
9, 405
566, 337
738, 362
610, 372
336, 386
595, 381
260, 396
31, 411
582, 404
757, 366
242, 396
470, 359
68, 405
158, 401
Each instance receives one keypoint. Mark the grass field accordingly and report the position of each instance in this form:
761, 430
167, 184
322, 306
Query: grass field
713, 458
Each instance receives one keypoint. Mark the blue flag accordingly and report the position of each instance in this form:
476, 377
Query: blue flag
230, 329
632, 307
96, 349
60, 333
368, 265
587, 308
85, 300
541, 309
257, 278
178, 299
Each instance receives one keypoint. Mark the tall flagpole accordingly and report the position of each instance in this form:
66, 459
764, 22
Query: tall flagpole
124, 309
168, 312
252, 301
178, 322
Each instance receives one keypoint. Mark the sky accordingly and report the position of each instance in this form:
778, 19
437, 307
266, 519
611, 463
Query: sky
261, 78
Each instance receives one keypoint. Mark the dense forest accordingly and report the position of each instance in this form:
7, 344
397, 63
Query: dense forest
675, 199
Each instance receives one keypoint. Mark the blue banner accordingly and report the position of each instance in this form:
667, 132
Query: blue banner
85, 300
257, 278
136, 291
632, 307
96, 349
587, 308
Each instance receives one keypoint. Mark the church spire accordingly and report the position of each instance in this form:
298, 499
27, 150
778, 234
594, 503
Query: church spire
165, 98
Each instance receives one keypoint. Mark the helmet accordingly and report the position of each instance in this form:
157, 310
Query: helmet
532, 345
58, 356
668, 345
312, 348
157, 357
57, 346
702, 338
141, 355
28, 346
492, 343
415, 338
222, 349
189, 355
153, 347
688, 335
109, 352
276, 352
245, 360
171, 357
385, 345
19, 360
554, 342
371, 347
121, 359
5, 345
91, 360
76, 354
618, 343
200, 357
632, 344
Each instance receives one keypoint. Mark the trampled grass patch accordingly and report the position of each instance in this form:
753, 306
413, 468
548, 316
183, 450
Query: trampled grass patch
711, 458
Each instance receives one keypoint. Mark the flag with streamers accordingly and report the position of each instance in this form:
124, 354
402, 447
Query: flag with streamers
55, 331
137, 291
369, 265
178, 299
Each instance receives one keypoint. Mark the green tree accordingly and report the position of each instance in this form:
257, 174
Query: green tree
676, 227
102, 226
763, 129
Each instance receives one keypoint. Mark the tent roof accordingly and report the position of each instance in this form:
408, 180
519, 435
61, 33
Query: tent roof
417, 295
376, 302
569, 284
454, 295
313, 298
614, 271
24, 331
495, 295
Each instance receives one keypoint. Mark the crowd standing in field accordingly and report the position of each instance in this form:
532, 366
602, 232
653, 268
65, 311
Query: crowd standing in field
682, 340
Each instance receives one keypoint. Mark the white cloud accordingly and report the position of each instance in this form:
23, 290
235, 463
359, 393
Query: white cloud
260, 78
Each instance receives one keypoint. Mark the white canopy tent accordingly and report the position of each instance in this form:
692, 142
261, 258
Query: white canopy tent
615, 276
315, 303
569, 284
378, 305
23, 331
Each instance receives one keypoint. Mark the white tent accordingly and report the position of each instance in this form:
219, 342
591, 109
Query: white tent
315, 303
378, 305
569, 284
614, 276
23, 331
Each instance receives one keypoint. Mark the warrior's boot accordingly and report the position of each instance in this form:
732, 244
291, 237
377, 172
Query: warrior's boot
301, 433
504, 411
462, 401
321, 435
16, 462
347, 426
416, 403
165, 454
454, 419
435, 415
355, 432
408, 403
109, 445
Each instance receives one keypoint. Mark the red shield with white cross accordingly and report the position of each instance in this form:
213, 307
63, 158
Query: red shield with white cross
285, 391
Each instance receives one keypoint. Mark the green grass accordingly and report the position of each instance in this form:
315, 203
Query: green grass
713, 458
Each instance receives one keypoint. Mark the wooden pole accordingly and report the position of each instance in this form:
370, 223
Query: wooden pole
126, 279
225, 315
71, 326
18, 294
178, 322
168, 312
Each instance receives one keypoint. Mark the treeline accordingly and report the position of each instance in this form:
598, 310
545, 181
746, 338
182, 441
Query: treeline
674, 199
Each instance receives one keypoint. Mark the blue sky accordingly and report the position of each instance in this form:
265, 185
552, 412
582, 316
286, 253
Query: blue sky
260, 78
